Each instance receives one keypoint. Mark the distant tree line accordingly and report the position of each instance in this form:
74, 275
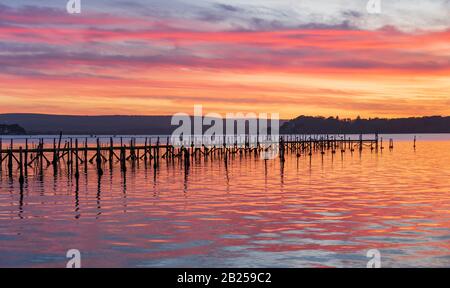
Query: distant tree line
334, 125
11, 129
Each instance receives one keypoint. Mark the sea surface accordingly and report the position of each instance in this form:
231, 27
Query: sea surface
319, 211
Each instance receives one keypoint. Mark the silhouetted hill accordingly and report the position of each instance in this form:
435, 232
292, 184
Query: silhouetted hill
106, 125
160, 125
331, 125
13, 129
98, 125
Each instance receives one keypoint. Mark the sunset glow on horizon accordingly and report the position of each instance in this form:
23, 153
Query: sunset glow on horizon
162, 57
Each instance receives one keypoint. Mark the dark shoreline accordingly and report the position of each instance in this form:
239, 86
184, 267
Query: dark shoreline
41, 124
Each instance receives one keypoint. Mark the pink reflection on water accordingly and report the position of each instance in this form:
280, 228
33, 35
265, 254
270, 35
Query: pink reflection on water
320, 212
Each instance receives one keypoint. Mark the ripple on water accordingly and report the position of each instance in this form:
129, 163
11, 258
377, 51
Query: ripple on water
323, 212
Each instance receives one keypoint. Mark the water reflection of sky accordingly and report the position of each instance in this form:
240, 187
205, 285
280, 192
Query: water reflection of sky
321, 212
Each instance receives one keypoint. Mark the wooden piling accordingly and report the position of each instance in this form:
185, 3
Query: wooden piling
10, 159
123, 165
77, 171
85, 151
71, 152
21, 178
111, 150
167, 149
99, 159
25, 156
59, 148
41, 156
145, 151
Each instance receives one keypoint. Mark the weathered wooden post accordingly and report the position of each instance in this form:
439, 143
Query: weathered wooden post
39, 157
77, 171
26, 156
99, 159
85, 152
54, 153
145, 151
71, 150
187, 160
111, 149
10, 159
167, 149
132, 150
70, 156
21, 178
152, 152
123, 165
157, 153
65, 153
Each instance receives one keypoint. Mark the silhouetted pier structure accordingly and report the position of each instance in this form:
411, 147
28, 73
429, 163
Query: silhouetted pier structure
78, 153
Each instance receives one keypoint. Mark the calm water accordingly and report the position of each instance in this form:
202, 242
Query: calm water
324, 211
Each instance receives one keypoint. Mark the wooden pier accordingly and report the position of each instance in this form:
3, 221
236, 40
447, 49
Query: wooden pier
78, 153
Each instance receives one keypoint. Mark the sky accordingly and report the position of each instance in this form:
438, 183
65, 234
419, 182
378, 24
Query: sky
303, 57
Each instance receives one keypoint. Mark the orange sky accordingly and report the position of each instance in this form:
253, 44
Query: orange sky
102, 63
